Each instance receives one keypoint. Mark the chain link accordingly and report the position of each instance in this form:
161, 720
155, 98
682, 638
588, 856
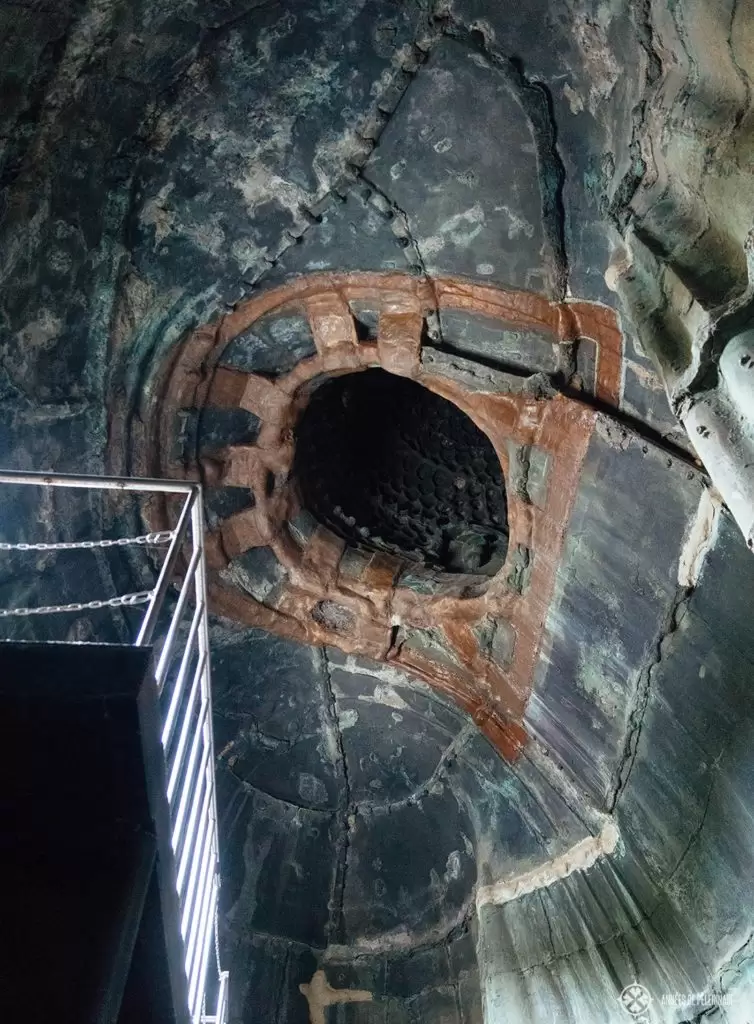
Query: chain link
162, 537
140, 597
217, 935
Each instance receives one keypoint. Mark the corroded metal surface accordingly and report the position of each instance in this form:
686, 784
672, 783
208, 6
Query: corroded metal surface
449, 635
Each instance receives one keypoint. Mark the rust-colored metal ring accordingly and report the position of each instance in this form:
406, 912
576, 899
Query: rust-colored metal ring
370, 614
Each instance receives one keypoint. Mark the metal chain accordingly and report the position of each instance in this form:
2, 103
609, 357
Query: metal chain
162, 537
217, 937
140, 597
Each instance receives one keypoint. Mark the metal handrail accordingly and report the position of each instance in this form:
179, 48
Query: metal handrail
186, 727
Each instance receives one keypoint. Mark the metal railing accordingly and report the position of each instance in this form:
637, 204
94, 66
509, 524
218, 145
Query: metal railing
182, 676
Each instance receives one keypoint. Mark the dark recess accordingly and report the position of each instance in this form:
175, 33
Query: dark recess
389, 465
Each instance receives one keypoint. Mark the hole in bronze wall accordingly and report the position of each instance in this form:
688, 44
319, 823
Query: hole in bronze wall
390, 466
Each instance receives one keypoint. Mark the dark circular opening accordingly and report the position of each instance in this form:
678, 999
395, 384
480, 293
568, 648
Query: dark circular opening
390, 466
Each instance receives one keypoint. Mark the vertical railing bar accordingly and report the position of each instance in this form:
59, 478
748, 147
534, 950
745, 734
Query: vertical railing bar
188, 715
196, 987
167, 647
190, 776
197, 864
193, 906
180, 682
205, 883
204, 937
163, 580
191, 938
217, 1016
196, 819
204, 836
197, 531
222, 998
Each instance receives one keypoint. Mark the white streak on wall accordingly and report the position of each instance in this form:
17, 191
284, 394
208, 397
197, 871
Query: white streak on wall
700, 538
556, 773
579, 857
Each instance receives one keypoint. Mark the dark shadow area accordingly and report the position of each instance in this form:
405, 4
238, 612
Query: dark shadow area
388, 465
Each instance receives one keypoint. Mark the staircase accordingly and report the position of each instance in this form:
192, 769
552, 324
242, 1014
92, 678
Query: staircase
109, 844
